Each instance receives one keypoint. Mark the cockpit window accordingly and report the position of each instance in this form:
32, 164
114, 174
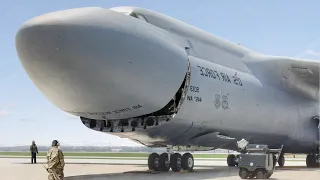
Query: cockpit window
133, 15
138, 16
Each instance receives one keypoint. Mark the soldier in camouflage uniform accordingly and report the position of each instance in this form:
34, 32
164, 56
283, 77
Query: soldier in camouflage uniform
55, 160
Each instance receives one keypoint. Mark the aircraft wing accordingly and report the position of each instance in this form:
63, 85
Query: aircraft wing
298, 76
302, 77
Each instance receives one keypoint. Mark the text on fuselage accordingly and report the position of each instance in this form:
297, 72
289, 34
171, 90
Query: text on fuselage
213, 74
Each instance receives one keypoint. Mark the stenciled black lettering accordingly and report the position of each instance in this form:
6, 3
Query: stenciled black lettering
235, 81
210, 73
99, 113
207, 72
194, 89
189, 98
198, 99
228, 79
240, 82
201, 70
216, 72
222, 76
121, 110
136, 106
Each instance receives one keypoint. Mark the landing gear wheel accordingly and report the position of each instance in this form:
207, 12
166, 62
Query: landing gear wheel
281, 160
244, 173
175, 162
164, 163
153, 161
231, 160
261, 174
311, 161
187, 162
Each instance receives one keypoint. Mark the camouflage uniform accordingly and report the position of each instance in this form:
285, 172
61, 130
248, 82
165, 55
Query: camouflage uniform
55, 160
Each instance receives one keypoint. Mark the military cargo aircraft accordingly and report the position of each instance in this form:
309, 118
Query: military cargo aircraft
142, 75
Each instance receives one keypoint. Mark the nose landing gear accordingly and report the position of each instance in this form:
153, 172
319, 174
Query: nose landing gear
281, 160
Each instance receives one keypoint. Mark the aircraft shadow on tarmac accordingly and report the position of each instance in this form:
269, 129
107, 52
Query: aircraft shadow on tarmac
286, 168
200, 172
212, 173
138, 165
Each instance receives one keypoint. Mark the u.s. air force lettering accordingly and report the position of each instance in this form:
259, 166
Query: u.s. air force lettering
221, 76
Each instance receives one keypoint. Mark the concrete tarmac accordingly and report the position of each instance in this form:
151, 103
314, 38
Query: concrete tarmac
99, 169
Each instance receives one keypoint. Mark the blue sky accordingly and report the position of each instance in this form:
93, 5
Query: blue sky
286, 27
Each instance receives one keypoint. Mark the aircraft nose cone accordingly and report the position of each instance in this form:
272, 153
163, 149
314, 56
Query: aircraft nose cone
52, 51
38, 40
98, 63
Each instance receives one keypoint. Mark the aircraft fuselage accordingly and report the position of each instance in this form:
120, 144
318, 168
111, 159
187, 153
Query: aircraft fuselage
122, 73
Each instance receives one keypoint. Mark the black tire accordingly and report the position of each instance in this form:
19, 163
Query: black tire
244, 173
176, 162
187, 162
281, 161
252, 175
268, 175
231, 160
164, 163
311, 161
153, 162
261, 174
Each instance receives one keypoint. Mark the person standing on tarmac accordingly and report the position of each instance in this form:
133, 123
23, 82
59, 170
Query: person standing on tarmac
55, 161
34, 152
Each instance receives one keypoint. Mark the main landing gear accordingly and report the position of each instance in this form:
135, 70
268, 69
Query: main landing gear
313, 161
176, 162
281, 160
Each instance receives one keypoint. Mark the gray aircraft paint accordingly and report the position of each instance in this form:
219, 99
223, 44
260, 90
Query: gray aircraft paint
102, 64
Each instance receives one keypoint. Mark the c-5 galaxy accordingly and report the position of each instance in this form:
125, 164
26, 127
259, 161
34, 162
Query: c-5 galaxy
139, 74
